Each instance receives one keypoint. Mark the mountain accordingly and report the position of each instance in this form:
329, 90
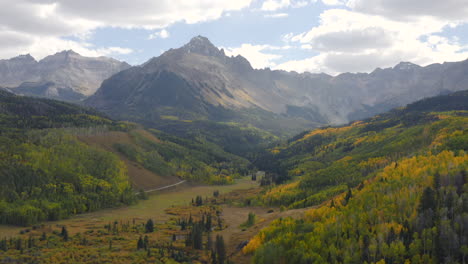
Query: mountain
65, 75
199, 82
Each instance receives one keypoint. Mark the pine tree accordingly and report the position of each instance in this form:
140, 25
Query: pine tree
145, 242
64, 233
220, 249
19, 244
209, 243
3, 245
208, 223
197, 236
149, 227
140, 244
349, 195
428, 200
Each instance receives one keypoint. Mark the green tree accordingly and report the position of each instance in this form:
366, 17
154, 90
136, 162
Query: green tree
149, 227
220, 249
140, 244
64, 233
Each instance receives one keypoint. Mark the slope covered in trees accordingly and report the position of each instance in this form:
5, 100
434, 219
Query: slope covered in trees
389, 189
196, 160
414, 211
46, 173
49, 172
327, 161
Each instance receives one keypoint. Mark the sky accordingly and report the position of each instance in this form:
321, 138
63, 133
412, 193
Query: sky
331, 36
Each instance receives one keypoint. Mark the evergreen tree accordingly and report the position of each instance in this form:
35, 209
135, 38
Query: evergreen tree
208, 223
3, 245
140, 243
209, 243
428, 200
197, 236
220, 250
146, 242
64, 233
349, 195
198, 200
149, 227
19, 244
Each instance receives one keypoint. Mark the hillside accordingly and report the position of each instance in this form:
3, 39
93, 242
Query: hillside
330, 159
65, 75
389, 189
59, 159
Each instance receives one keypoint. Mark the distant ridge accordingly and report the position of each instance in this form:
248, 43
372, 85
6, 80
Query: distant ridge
65, 75
199, 82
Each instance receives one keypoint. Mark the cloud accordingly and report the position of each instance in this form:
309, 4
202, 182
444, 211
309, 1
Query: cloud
149, 14
113, 50
40, 47
349, 39
450, 10
160, 34
332, 2
30, 24
358, 42
276, 15
256, 54
273, 5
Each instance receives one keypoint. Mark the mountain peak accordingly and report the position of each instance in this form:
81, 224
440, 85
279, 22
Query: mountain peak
405, 65
202, 45
68, 52
25, 57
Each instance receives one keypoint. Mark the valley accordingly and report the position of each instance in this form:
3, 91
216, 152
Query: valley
196, 157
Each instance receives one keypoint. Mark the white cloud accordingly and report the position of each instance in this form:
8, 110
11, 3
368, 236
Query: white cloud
332, 2
31, 24
40, 47
277, 15
256, 54
273, 5
450, 10
355, 42
160, 34
114, 50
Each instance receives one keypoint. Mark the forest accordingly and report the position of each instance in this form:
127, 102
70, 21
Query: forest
388, 189
46, 173
196, 160
414, 211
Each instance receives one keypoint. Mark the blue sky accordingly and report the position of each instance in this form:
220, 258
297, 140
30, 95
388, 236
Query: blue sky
329, 36
231, 30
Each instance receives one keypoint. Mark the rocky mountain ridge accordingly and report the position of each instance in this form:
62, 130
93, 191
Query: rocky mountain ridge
198, 81
65, 75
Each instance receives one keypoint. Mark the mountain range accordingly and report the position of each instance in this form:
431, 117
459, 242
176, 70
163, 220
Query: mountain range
65, 75
198, 81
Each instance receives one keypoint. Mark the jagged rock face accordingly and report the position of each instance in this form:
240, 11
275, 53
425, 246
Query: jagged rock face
18, 69
197, 78
63, 73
